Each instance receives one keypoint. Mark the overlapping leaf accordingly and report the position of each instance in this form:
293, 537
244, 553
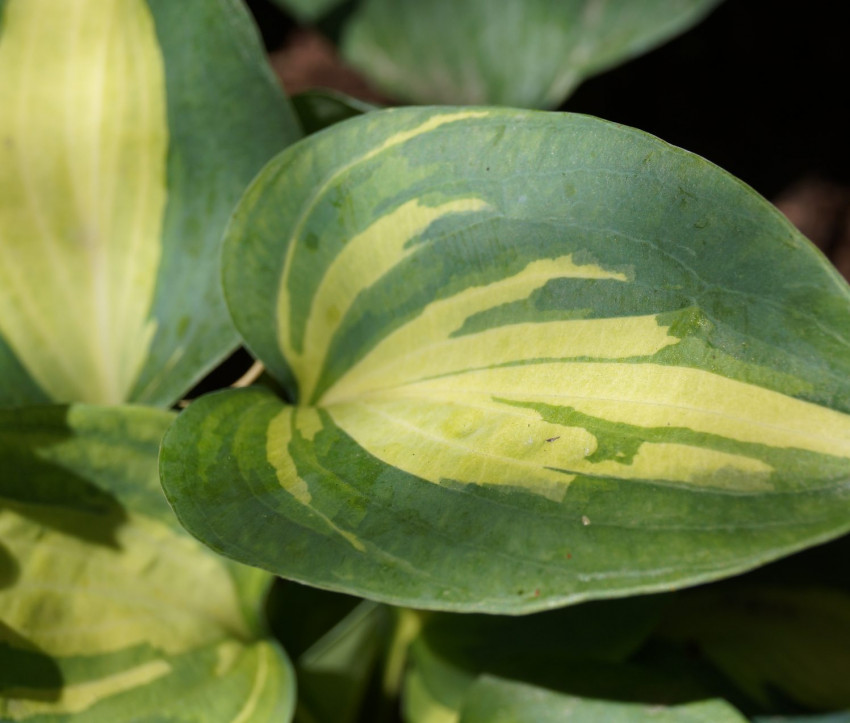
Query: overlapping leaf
530, 53
537, 358
129, 130
110, 611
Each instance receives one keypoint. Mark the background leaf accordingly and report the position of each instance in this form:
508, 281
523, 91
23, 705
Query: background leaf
530, 53
114, 612
538, 358
497, 701
130, 130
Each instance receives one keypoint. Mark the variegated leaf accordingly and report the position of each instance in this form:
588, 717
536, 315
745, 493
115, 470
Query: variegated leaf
530, 53
111, 612
537, 358
129, 130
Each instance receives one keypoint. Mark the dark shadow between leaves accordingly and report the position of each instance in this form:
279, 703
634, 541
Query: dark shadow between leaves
26, 671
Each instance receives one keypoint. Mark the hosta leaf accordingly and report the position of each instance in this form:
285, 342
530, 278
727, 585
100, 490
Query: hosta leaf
537, 358
129, 130
529, 53
114, 613
492, 700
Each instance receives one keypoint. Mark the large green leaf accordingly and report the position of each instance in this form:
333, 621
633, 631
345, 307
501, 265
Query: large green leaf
537, 358
530, 53
492, 700
129, 130
113, 612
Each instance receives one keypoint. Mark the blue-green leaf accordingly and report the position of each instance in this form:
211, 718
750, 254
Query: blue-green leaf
537, 358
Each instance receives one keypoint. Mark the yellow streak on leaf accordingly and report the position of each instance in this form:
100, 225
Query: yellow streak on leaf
364, 260
424, 346
80, 697
152, 586
686, 464
481, 443
654, 395
278, 439
472, 439
83, 142
284, 302
263, 655
308, 422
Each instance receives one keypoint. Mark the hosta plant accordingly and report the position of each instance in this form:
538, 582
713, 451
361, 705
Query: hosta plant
516, 362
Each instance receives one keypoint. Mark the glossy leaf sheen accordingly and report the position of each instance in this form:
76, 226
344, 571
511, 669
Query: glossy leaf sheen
530, 53
129, 131
538, 358
112, 612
